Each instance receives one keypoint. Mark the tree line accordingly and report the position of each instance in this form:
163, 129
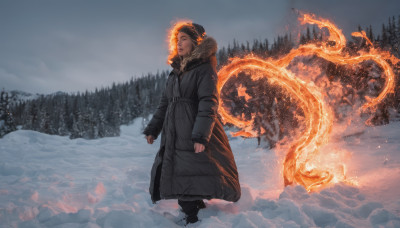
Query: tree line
91, 115
100, 113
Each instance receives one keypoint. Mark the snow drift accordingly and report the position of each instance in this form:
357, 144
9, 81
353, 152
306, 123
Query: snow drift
52, 181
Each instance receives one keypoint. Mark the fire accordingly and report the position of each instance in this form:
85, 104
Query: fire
173, 37
317, 115
242, 93
301, 164
335, 54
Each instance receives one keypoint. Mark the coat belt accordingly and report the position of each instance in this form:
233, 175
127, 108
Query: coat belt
181, 99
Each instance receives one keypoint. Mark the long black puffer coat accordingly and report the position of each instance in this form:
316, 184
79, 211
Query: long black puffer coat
187, 113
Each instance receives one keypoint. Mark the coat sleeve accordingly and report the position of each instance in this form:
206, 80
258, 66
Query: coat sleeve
156, 123
208, 106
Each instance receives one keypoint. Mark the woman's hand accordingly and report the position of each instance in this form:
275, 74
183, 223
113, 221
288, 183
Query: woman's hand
198, 147
150, 139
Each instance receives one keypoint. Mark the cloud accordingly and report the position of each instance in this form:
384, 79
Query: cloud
50, 46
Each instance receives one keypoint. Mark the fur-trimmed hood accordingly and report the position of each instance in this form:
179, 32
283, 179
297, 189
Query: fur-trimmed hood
203, 52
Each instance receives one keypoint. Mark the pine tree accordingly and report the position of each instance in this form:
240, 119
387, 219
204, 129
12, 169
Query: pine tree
308, 34
7, 124
99, 113
384, 40
398, 26
303, 39
315, 34
370, 34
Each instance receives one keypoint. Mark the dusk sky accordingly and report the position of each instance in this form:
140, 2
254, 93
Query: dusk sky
78, 45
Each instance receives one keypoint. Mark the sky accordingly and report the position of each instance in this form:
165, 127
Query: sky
48, 46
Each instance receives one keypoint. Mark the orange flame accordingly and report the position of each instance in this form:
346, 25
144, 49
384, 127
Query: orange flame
318, 116
173, 37
242, 93
334, 54
300, 166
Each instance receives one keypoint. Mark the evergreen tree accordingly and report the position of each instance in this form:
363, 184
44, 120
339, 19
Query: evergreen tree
315, 34
384, 34
7, 124
370, 34
100, 113
308, 34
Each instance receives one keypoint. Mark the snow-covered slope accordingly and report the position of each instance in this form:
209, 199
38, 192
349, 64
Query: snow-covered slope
52, 181
17, 96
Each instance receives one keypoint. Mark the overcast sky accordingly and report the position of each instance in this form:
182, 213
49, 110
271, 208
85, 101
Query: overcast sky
78, 45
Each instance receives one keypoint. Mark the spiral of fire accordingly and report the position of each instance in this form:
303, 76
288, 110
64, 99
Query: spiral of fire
318, 115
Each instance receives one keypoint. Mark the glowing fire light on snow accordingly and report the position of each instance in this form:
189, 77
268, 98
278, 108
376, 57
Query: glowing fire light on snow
301, 165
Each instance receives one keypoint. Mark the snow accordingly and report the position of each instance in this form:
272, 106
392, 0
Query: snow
52, 181
20, 96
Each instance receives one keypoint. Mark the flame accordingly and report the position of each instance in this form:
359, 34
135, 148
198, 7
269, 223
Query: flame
335, 54
242, 93
318, 116
173, 37
301, 164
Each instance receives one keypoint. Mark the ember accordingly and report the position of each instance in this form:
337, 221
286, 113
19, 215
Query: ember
301, 164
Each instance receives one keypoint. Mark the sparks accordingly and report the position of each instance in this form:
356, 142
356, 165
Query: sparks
300, 165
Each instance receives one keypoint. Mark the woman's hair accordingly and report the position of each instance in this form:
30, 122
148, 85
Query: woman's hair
195, 31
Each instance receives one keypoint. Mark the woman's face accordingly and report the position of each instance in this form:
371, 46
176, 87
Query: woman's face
184, 45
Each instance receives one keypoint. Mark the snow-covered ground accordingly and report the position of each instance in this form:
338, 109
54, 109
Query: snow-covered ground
52, 181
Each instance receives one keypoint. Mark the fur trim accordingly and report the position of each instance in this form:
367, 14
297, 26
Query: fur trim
204, 51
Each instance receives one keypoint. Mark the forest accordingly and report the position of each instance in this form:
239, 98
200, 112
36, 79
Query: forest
100, 113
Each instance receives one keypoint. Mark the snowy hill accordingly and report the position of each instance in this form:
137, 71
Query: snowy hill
17, 96
52, 181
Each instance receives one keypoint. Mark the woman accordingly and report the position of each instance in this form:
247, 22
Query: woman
195, 161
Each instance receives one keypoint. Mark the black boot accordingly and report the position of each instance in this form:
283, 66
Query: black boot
201, 204
190, 208
192, 219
